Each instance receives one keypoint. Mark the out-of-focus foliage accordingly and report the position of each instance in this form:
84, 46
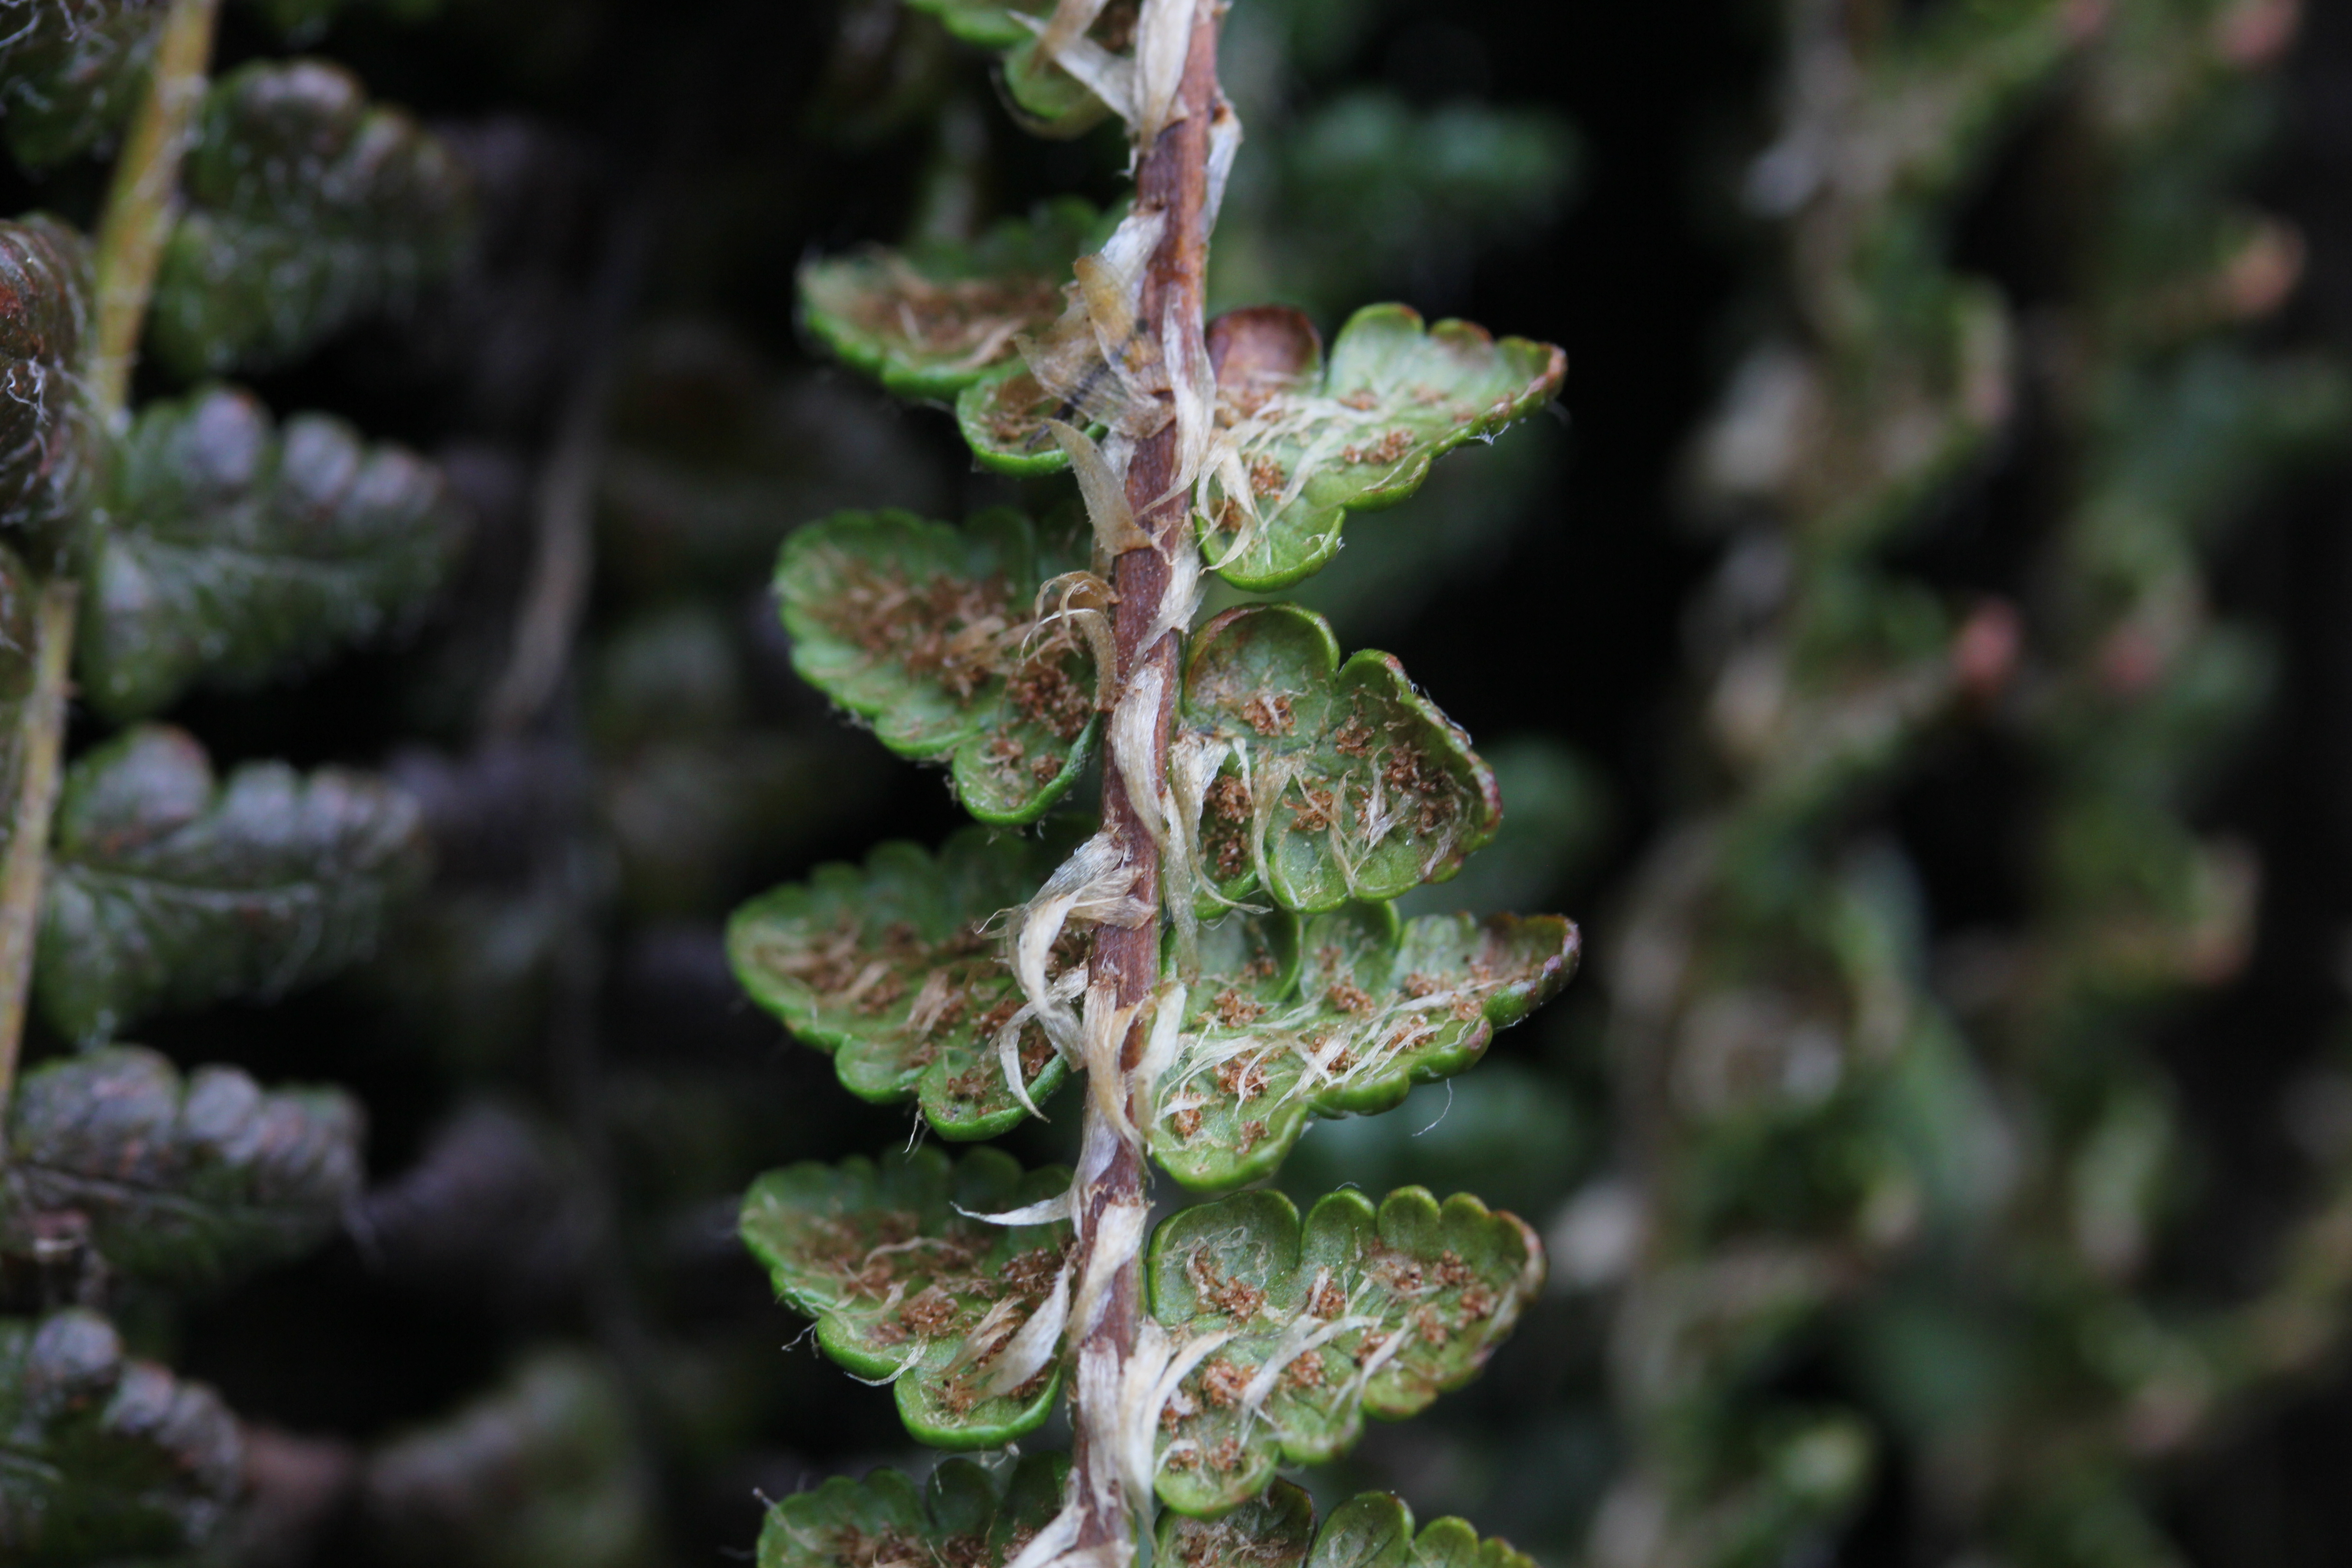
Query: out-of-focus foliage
1968, 1176
182, 1183
691, 783
235, 551
1365, 191
539, 1471
306, 208
50, 444
171, 887
1356, 190
111, 1459
1768, 998
209, 546
71, 71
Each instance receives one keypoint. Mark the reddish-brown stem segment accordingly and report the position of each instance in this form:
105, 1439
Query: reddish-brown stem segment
1174, 180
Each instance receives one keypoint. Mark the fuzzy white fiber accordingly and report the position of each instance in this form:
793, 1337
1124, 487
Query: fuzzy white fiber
1224, 146
1092, 885
1109, 77
1071, 19
1045, 1211
1134, 728
1163, 36
1036, 1342
1104, 490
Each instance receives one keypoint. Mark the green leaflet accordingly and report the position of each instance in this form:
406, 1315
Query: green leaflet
306, 209
960, 1516
1326, 783
987, 23
1003, 417
105, 1457
1361, 1311
191, 1182
931, 319
168, 890
544, 1469
235, 551
71, 71
49, 434
904, 1285
1344, 1017
1559, 820
930, 631
1274, 1529
1048, 99
887, 967
1374, 1529
1307, 448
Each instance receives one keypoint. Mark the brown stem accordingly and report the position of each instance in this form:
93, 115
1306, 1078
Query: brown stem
1174, 179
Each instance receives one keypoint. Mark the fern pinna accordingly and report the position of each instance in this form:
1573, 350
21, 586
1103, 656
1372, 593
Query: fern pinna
193, 542
1215, 951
